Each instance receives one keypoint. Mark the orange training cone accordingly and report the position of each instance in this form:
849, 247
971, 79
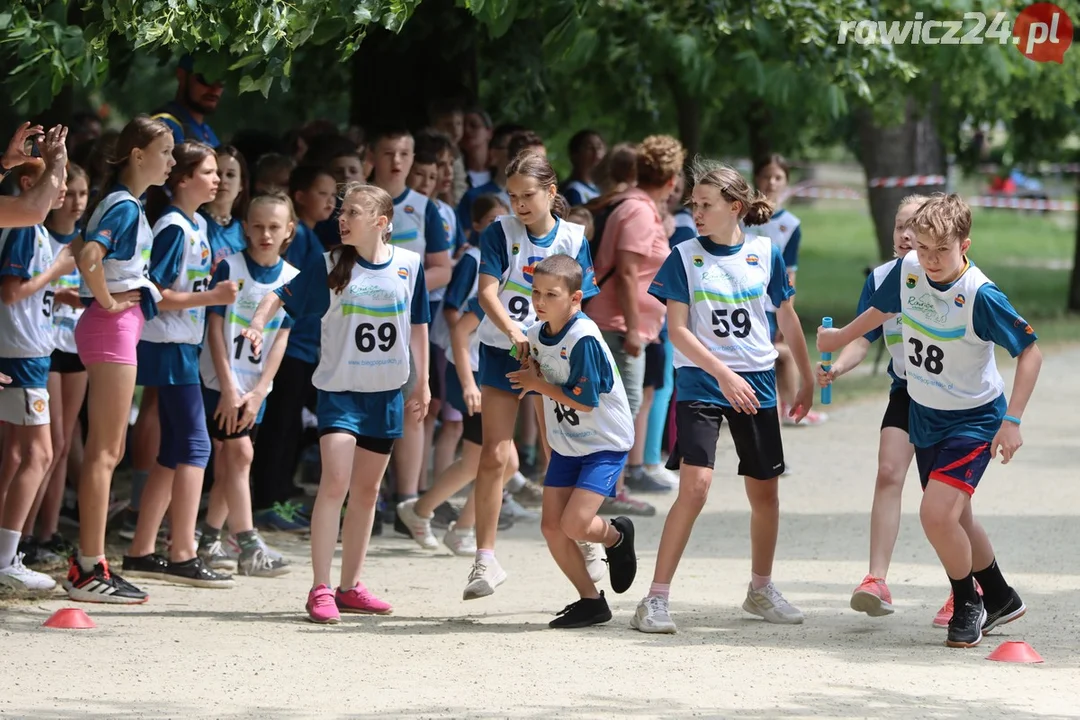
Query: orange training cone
1015, 651
69, 619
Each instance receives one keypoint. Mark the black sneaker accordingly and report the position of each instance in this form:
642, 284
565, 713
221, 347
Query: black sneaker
100, 586
1012, 610
126, 521
965, 628
443, 516
151, 566
59, 545
583, 613
195, 573
622, 562
377, 525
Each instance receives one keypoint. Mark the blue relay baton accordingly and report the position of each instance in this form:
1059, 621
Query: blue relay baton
826, 364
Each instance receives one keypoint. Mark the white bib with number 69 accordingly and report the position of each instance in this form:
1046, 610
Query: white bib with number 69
948, 366
515, 285
366, 331
728, 303
184, 326
247, 368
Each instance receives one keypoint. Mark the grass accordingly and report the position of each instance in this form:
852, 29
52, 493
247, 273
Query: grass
1029, 256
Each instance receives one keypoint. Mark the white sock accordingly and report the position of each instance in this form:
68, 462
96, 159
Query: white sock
516, 482
9, 545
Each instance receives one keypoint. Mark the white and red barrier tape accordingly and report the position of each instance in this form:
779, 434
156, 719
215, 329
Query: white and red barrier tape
827, 193
906, 181
1063, 168
1010, 203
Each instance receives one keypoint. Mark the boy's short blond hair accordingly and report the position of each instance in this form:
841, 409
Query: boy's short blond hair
943, 218
563, 268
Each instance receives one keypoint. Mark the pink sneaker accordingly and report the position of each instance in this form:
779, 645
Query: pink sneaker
872, 597
361, 600
321, 607
812, 419
944, 615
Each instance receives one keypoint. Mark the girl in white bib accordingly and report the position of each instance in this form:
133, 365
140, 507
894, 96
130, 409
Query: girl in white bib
373, 303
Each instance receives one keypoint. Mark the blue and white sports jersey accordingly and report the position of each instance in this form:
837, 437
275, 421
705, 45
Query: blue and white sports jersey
726, 288
418, 226
224, 239
366, 327
119, 224
27, 325
462, 288
64, 316
785, 231
455, 234
578, 360
892, 331
254, 282
685, 229
577, 192
180, 261
949, 336
508, 252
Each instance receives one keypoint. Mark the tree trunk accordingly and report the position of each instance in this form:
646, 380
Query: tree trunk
758, 120
911, 147
688, 111
396, 77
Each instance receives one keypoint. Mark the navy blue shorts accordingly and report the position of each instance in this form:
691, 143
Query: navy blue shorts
374, 415
211, 398
495, 363
596, 473
184, 437
958, 461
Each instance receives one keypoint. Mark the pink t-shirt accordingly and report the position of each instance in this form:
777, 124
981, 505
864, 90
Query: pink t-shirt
635, 227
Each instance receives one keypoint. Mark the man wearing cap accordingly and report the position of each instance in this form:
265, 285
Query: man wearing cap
196, 97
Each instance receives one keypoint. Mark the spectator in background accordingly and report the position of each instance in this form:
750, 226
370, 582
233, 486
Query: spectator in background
476, 143
272, 174
525, 140
196, 97
86, 128
448, 117
633, 246
498, 158
587, 150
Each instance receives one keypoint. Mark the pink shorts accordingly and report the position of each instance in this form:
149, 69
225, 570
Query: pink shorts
102, 336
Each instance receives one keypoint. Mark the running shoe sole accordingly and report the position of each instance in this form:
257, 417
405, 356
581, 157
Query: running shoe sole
482, 588
653, 630
870, 604
198, 582
89, 596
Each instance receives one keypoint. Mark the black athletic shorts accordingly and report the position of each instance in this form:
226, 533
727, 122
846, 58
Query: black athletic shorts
377, 445
472, 428
65, 363
655, 359
896, 413
218, 433
434, 378
757, 438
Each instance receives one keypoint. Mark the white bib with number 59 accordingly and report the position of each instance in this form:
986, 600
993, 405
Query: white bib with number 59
728, 304
515, 285
247, 368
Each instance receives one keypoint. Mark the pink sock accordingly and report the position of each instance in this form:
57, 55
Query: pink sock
485, 555
759, 581
659, 590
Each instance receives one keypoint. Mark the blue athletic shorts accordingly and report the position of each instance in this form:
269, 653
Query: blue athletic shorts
495, 363
596, 473
376, 415
959, 462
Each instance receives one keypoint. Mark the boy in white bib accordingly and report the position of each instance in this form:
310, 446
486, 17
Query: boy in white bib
953, 316
590, 429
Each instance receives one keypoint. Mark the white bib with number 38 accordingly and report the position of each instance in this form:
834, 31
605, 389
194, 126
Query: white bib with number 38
184, 326
948, 366
366, 331
727, 303
247, 368
515, 285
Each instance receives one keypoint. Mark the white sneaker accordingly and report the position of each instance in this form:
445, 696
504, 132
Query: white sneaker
594, 560
768, 603
19, 577
215, 557
484, 577
419, 528
652, 616
517, 511
460, 542
662, 475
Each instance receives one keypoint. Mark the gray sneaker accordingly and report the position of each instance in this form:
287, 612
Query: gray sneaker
652, 616
213, 554
625, 505
258, 563
640, 481
514, 509
769, 604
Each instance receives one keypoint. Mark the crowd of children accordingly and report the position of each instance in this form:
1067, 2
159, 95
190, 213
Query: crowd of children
398, 301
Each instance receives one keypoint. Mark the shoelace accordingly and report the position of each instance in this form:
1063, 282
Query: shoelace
216, 550
260, 560
17, 565
478, 570
656, 604
774, 596
568, 609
